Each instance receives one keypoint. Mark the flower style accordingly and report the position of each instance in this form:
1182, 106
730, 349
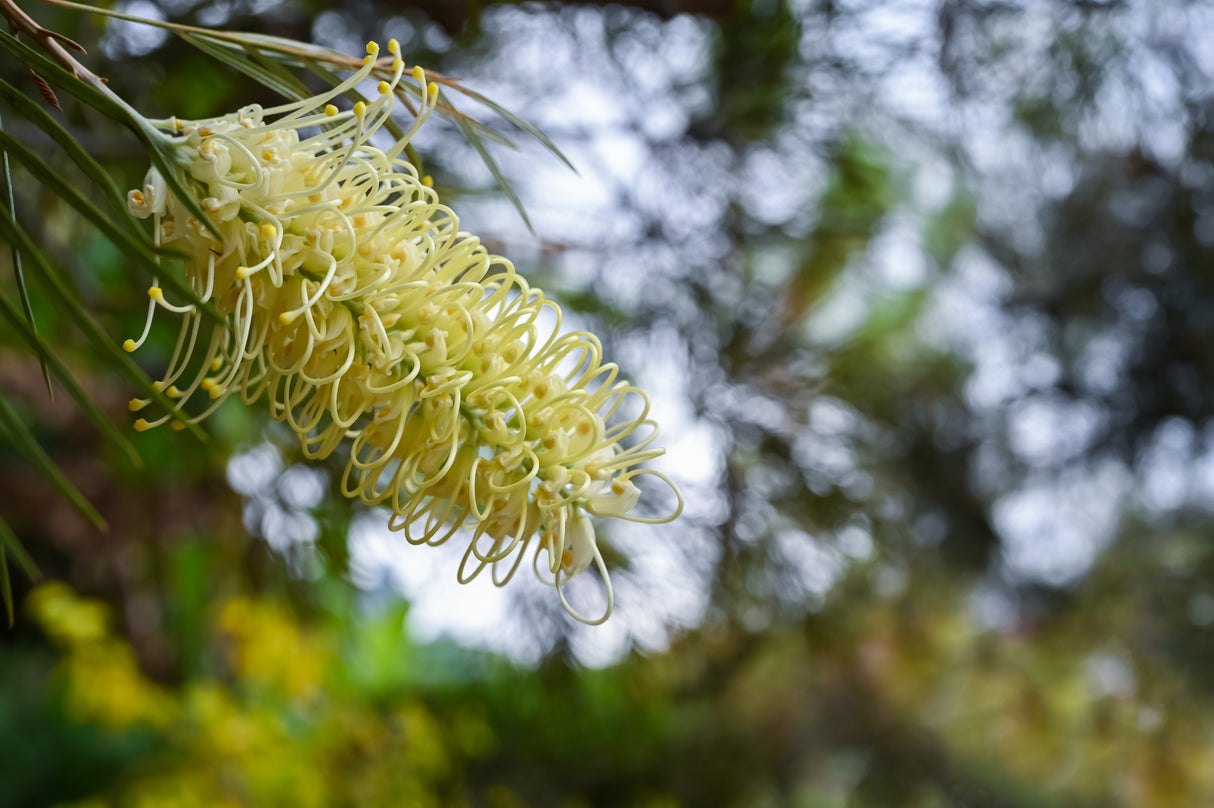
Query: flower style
356, 307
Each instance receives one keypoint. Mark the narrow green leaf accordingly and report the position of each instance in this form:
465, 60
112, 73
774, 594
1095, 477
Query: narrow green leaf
521, 123
10, 542
494, 169
65, 80
114, 107
18, 269
236, 39
28, 445
92, 169
137, 251
99, 419
6, 586
244, 65
119, 358
272, 63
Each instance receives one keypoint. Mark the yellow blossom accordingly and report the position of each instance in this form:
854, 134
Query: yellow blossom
369, 322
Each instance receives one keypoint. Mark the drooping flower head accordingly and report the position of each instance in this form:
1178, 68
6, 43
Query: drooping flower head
370, 324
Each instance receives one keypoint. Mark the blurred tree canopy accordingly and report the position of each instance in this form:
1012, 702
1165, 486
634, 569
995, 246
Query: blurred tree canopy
922, 294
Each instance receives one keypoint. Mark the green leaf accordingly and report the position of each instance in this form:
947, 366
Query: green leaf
517, 121
137, 251
494, 169
273, 63
157, 145
6, 586
243, 64
75, 311
64, 79
9, 543
28, 445
85, 161
90, 410
19, 270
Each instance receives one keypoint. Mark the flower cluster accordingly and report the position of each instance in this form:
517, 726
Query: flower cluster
359, 311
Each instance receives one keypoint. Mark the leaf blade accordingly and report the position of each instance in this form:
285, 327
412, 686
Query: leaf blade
521, 123
52, 128
27, 444
90, 410
19, 270
494, 169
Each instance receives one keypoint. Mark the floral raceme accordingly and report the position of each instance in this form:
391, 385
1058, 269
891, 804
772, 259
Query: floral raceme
355, 307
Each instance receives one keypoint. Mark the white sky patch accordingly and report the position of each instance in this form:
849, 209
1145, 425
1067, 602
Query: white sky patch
1167, 468
817, 565
124, 39
477, 614
1053, 528
1045, 430
897, 257
661, 589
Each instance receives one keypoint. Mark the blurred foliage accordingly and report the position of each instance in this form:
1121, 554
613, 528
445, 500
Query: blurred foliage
901, 701
931, 285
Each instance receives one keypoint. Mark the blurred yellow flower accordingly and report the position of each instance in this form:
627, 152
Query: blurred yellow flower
104, 682
357, 308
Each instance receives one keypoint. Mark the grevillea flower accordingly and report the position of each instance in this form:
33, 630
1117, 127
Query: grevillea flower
370, 324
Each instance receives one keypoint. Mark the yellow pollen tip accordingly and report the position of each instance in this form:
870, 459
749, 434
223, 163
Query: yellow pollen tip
393, 47
360, 109
428, 181
372, 47
178, 426
207, 384
269, 231
216, 364
136, 404
156, 293
157, 386
129, 346
330, 110
215, 392
173, 392
432, 90
287, 317
242, 273
368, 59
384, 88
398, 65
142, 425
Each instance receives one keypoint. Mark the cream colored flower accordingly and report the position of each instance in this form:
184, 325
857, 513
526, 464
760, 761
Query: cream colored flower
357, 309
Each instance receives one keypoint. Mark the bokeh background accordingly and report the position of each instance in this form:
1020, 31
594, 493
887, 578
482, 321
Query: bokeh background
923, 295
